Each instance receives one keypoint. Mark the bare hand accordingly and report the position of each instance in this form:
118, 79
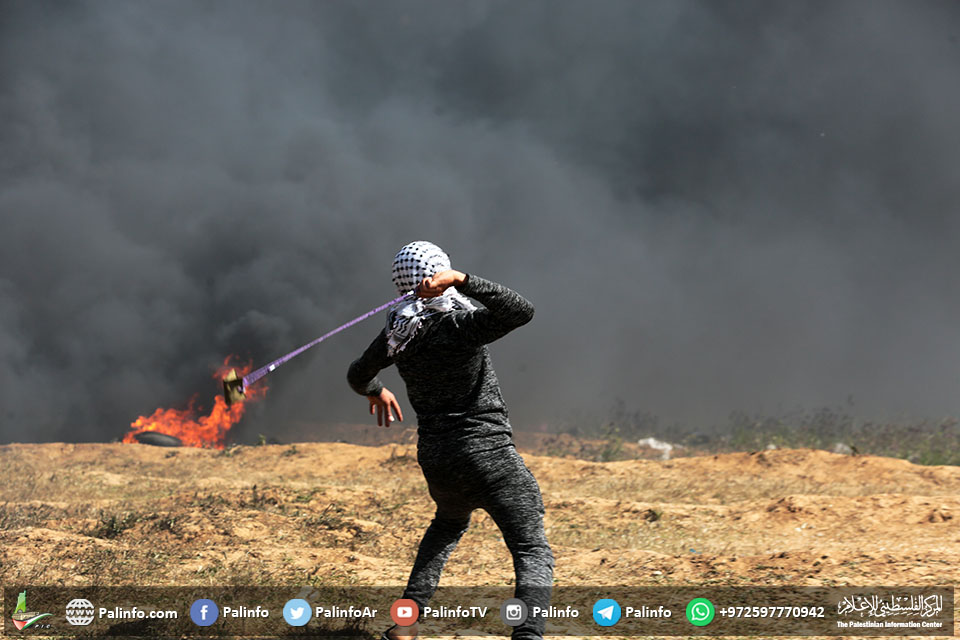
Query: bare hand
384, 405
436, 284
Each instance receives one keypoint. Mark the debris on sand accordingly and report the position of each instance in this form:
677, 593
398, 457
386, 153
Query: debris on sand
665, 448
842, 448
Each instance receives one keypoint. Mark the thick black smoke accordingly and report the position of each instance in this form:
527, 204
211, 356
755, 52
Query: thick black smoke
713, 205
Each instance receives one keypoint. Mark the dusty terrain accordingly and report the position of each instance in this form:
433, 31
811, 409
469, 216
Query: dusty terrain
337, 513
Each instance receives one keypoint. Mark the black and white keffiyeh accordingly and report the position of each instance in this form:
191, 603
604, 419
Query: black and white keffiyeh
413, 263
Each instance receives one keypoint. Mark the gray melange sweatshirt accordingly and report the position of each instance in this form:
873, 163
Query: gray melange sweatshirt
447, 369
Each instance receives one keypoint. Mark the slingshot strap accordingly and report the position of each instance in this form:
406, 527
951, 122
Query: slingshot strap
253, 376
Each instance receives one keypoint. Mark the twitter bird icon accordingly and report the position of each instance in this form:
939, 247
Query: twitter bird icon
296, 612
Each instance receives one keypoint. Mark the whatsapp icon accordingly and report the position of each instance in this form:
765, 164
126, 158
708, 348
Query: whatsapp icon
700, 612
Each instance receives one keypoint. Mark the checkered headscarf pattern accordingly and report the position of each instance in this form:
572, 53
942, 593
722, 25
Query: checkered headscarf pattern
413, 263
416, 261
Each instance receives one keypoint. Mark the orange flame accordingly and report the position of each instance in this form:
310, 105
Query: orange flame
209, 431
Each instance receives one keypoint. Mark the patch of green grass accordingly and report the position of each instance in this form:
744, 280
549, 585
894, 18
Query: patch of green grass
211, 501
17, 516
330, 518
921, 441
928, 442
613, 445
168, 523
307, 496
113, 525
260, 500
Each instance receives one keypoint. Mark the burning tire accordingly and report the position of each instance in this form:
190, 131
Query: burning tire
157, 439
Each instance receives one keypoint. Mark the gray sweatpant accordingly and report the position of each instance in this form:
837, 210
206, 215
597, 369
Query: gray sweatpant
498, 482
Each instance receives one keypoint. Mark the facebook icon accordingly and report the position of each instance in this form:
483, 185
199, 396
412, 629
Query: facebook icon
204, 612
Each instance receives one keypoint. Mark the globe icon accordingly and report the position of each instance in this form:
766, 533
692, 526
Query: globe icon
79, 612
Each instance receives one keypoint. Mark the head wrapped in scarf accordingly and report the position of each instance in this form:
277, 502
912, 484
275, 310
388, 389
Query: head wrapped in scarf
413, 263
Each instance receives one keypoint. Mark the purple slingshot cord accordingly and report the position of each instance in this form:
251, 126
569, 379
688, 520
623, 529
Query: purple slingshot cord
253, 376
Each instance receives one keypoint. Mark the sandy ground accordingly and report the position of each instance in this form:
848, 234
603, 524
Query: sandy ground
337, 513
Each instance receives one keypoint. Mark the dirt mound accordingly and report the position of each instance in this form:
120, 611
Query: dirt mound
336, 513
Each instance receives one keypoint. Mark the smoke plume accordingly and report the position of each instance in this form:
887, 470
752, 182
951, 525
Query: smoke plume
712, 205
